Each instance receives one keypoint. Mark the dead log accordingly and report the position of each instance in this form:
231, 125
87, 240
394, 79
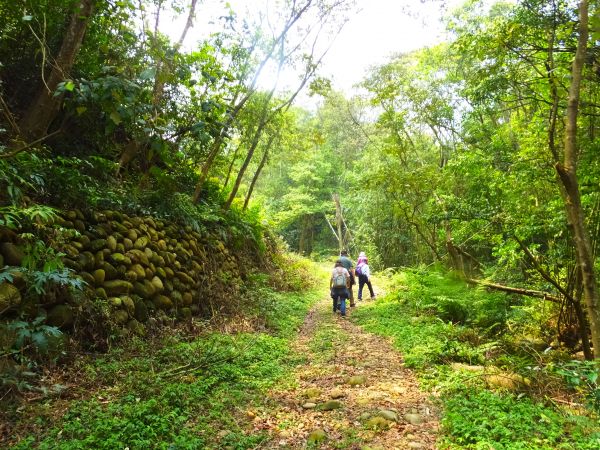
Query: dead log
516, 290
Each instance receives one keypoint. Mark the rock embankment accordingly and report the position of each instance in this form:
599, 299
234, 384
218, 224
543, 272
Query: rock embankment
136, 267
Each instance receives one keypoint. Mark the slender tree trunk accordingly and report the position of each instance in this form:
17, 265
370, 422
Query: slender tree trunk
45, 106
338, 219
245, 164
258, 171
230, 169
567, 172
215, 148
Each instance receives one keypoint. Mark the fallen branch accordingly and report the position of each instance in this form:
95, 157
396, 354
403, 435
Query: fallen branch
516, 290
26, 146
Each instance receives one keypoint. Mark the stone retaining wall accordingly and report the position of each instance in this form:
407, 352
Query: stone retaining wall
140, 267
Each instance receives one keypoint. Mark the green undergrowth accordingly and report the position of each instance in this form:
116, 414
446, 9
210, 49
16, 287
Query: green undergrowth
184, 391
457, 338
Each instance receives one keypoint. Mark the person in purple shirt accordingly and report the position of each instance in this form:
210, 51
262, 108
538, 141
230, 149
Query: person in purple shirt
364, 275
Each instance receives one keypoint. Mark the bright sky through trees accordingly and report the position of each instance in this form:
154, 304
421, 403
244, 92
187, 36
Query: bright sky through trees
376, 30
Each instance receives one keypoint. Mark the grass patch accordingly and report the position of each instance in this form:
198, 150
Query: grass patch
184, 392
435, 321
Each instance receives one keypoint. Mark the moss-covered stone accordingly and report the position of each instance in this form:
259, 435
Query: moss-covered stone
61, 316
74, 265
117, 226
130, 275
312, 393
119, 316
84, 240
331, 405
101, 293
388, 414
115, 302
71, 251
141, 242
316, 437
110, 272
185, 313
127, 243
97, 244
141, 310
187, 298
357, 380
132, 234
88, 278
99, 276
118, 258
139, 271
157, 283
115, 288
377, 423
136, 328
163, 302
144, 289
79, 225
149, 273
128, 304
9, 296
87, 261
99, 259
13, 254
185, 278
138, 256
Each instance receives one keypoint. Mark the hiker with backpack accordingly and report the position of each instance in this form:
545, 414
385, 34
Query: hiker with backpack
364, 275
349, 266
338, 285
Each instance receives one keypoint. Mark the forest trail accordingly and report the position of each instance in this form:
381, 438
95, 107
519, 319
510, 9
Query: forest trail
352, 391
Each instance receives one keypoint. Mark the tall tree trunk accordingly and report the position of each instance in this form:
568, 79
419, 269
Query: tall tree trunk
44, 108
567, 172
231, 164
305, 244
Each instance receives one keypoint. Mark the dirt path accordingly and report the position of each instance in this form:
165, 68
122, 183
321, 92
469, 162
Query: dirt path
375, 402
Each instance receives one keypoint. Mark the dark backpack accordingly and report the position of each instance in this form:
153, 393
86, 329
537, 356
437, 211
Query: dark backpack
358, 269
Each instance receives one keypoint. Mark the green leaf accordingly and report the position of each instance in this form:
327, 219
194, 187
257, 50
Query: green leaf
115, 117
69, 86
148, 74
27, 18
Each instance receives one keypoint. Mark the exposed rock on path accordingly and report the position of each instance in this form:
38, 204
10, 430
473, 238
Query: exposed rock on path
352, 391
